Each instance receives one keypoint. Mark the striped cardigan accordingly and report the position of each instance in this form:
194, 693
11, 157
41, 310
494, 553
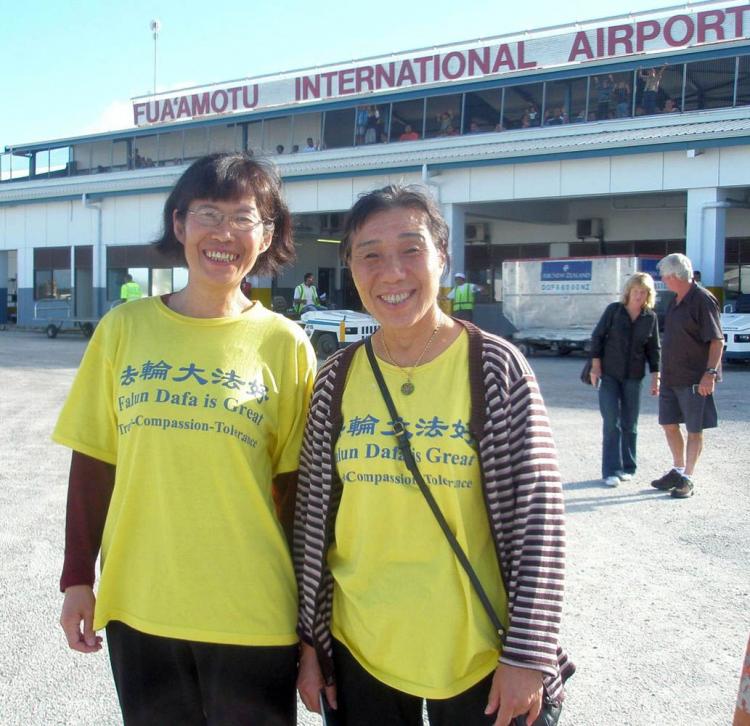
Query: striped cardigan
522, 491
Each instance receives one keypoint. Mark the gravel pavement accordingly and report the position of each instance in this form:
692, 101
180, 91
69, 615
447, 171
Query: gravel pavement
656, 611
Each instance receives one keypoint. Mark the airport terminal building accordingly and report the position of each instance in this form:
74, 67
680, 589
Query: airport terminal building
624, 135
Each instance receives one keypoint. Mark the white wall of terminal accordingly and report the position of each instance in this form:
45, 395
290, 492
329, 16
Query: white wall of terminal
666, 195
666, 178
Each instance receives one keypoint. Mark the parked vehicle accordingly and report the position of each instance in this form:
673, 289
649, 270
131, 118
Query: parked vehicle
330, 330
735, 322
554, 304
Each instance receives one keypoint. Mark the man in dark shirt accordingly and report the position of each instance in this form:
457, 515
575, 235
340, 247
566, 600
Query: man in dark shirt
691, 353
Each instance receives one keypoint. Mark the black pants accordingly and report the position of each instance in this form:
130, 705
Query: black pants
365, 701
464, 315
163, 681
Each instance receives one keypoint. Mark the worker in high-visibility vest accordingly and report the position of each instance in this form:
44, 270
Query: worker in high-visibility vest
306, 296
462, 296
130, 290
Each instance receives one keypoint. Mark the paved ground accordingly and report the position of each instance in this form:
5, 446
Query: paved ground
656, 614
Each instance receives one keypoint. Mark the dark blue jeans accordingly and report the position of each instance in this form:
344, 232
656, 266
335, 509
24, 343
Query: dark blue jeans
619, 403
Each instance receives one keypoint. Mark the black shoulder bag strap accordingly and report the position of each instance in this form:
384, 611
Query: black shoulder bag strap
405, 448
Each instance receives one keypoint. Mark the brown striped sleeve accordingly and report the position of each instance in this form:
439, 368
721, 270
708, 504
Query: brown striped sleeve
525, 500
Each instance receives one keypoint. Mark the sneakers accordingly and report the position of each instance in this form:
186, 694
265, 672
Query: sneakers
669, 481
681, 486
683, 490
613, 480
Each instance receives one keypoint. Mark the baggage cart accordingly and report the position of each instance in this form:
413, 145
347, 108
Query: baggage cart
56, 315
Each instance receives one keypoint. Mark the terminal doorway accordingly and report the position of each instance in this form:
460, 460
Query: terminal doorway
350, 299
326, 282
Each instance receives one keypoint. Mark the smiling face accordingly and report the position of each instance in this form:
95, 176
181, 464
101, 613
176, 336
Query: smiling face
396, 268
220, 257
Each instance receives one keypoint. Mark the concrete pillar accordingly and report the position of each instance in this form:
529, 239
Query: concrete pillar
705, 235
25, 282
456, 218
99, 278
98, 256
3, 288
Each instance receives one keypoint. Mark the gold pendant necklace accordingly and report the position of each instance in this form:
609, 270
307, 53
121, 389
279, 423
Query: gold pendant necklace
407, 388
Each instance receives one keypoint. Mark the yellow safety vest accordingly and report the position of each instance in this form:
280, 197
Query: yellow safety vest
463, 297
130, 291
299, 296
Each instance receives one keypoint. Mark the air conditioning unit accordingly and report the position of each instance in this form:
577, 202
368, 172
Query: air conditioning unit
587, 228
476, 233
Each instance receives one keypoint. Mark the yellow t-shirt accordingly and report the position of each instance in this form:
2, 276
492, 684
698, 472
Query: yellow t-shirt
402, 604
198, 415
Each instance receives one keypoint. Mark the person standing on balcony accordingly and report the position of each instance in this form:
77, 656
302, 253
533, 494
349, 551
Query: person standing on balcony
651, 79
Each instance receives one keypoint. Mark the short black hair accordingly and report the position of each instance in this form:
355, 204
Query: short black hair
226, 177
395, 196
307, 274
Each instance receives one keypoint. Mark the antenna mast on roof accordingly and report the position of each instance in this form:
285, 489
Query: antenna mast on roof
155, 26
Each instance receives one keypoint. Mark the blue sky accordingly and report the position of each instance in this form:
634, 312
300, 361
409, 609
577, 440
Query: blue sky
71, 66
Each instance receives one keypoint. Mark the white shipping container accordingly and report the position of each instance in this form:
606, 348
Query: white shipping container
555, 303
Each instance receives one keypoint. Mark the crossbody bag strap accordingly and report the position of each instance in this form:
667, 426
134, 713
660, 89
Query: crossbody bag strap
405, 447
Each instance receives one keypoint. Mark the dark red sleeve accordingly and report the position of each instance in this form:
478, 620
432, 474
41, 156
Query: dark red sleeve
89, 492
285, 498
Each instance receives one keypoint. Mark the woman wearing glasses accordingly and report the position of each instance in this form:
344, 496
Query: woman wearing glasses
185, 421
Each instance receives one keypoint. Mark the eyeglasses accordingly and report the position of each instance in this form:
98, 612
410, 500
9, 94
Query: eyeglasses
213, 218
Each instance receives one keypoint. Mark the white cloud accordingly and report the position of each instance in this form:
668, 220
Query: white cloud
117, 115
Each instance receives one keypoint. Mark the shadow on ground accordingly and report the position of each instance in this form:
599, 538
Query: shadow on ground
609, 496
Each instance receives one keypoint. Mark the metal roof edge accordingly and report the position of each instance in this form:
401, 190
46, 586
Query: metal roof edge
395, 158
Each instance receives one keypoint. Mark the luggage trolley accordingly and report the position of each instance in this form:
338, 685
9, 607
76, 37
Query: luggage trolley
57, 314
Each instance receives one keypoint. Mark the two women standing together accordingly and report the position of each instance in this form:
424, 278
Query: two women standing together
192, 442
